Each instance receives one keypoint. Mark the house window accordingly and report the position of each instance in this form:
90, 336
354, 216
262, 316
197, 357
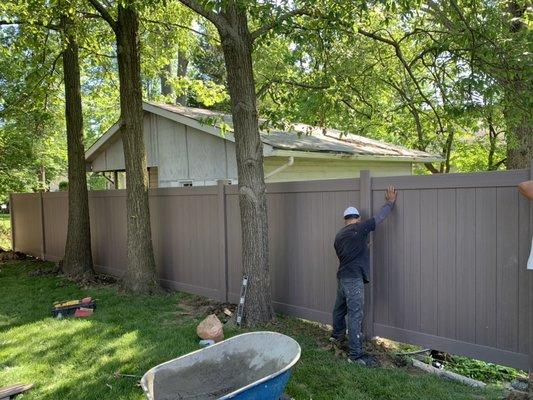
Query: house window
185, 183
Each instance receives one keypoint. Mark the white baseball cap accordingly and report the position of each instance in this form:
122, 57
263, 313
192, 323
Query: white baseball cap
351, 211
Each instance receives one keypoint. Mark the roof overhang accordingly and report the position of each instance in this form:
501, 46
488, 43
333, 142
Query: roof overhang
346, 156
102, 142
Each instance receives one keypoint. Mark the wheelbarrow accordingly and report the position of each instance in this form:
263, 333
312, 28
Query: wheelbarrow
254, 365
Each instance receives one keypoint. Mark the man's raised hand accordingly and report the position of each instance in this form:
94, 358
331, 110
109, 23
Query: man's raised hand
390, 196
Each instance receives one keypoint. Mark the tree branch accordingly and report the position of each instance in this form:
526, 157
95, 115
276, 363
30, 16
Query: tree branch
98, 54
354, 109
277, 21
407, 67
172, 24
497, 165
377, 37
216, 19
37, 85
302, 84
104, 13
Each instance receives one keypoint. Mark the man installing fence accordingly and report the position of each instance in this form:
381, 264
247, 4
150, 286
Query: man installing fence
351, 245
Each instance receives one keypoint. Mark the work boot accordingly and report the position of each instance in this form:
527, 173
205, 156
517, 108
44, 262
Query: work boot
339, 341
365, 360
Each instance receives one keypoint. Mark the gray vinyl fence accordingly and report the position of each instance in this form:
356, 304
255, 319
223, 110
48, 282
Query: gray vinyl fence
449, 265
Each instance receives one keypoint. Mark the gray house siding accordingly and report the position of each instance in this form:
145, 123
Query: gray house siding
171, 142
180, 152
111, 158
187, 155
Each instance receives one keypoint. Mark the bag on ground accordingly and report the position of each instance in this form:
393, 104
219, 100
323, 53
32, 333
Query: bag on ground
210, 328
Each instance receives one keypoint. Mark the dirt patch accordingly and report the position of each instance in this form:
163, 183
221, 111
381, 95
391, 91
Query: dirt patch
373, 347
46, 271
94, 281
516, 395
9, 255
199, 307
84, 282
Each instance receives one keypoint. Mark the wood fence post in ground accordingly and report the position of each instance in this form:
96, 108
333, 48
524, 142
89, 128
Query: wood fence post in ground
43, 239
12, 221
365, 204
223, 238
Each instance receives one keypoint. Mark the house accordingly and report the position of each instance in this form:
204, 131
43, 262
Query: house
195, 147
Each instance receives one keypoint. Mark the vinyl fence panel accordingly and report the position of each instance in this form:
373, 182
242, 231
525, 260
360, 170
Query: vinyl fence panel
55, 210
448, 265
186, 236
27, 223
303, 220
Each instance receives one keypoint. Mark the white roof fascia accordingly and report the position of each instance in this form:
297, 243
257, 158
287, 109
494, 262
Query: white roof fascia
345, 156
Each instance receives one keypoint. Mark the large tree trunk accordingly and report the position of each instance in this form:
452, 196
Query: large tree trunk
140, 272
78, 261
183, 62
166, 89
249, 149
519, 141
519, 127
41, 177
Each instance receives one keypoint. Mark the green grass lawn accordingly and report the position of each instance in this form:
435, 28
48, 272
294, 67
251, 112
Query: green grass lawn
76, 358
5, 231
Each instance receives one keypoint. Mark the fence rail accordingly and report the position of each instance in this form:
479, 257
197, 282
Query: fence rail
448, 264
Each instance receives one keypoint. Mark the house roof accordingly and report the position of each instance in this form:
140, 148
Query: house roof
300, 140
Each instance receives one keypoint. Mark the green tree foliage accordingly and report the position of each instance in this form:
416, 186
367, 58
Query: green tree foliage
31, 123
393, 75
471, 60
32, 128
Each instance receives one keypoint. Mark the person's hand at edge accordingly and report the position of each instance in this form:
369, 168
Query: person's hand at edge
390, 195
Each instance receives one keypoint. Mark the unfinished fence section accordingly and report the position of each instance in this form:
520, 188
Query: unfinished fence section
448, 264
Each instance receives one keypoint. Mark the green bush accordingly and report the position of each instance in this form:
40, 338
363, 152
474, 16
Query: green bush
483, 371
5, 231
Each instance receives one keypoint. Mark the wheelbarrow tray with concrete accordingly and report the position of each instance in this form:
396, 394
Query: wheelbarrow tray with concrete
254, 365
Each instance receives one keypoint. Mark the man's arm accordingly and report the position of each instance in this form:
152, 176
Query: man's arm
390, 198
370, 224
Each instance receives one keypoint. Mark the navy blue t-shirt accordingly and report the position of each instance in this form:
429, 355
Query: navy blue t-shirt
351, 245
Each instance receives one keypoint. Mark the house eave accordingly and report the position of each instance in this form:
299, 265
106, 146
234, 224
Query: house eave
346, 156
102, 142
193, 123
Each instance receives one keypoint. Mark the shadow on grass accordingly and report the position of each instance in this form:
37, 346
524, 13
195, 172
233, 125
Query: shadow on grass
77, 358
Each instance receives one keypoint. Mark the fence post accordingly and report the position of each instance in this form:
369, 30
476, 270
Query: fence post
365, 202
43, 240
223, 237
12, 221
